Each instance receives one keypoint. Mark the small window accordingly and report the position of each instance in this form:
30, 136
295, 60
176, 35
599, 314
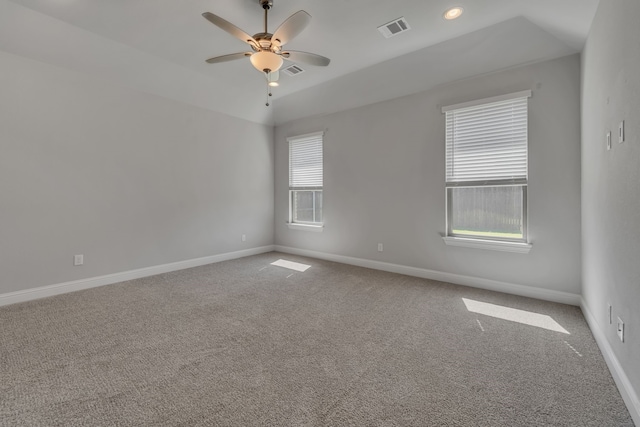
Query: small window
487, 168
305, 179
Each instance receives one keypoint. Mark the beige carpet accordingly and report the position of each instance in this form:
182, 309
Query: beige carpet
245, 343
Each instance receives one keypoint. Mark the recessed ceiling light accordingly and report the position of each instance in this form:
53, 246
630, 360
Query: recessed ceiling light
453, 13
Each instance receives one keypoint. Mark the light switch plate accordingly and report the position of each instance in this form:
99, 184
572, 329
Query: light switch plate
608, 141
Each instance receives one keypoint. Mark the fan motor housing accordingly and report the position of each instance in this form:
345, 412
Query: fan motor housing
265, 42
266, 4
262, 36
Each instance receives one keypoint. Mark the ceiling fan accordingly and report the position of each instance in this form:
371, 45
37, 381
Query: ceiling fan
267, 54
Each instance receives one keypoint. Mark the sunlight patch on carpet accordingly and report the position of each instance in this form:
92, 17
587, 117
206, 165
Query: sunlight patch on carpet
514, 315
291, 265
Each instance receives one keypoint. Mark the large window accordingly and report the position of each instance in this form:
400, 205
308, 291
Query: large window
305, 179
486, 170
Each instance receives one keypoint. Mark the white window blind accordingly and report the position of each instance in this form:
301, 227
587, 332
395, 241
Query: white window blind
305, 161
487, 142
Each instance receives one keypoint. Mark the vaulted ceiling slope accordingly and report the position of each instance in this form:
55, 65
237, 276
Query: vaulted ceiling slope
159, 46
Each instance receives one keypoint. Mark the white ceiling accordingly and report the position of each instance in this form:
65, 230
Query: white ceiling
159, 46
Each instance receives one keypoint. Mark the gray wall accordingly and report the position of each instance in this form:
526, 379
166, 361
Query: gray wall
610, 179
130, 180
384, 180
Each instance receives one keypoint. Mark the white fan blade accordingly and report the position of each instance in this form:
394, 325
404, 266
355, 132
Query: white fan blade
230, 28
292, 27
230, 57
307, 58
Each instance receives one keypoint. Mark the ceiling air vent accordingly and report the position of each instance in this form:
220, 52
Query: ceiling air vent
394, 27
293, 70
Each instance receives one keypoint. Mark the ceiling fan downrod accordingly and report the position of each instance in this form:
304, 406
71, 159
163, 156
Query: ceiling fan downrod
266, 5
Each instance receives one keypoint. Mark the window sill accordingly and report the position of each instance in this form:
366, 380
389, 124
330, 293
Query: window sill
494, 245
306, 227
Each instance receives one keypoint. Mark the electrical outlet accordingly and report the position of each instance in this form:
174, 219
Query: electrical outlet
608, 141
379, 247
621, 132
620, 329
244, 237
78, 259
610, 313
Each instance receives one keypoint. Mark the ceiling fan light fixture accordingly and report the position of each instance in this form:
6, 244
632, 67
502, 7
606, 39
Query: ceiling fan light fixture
272, 78
266, 60
268, 56
453, 13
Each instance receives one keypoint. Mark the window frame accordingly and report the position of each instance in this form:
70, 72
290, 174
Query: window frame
305, 225
493, 242
525, 219
291, 205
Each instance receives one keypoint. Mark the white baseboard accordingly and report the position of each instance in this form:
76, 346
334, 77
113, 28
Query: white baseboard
92, 282
627, 391
458, 279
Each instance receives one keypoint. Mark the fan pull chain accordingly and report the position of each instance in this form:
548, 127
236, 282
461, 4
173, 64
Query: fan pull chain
268, 94
268, 76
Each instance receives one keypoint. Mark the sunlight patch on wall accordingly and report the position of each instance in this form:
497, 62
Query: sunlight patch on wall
514, 315
291, 265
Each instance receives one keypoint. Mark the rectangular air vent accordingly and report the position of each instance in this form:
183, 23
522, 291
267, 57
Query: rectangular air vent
394, 27
293, 70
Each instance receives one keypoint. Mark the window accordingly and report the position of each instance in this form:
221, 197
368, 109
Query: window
305, 179
486, 168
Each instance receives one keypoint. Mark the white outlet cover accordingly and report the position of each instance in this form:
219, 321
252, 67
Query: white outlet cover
610, 313
78, 259
608, 141
620, 329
